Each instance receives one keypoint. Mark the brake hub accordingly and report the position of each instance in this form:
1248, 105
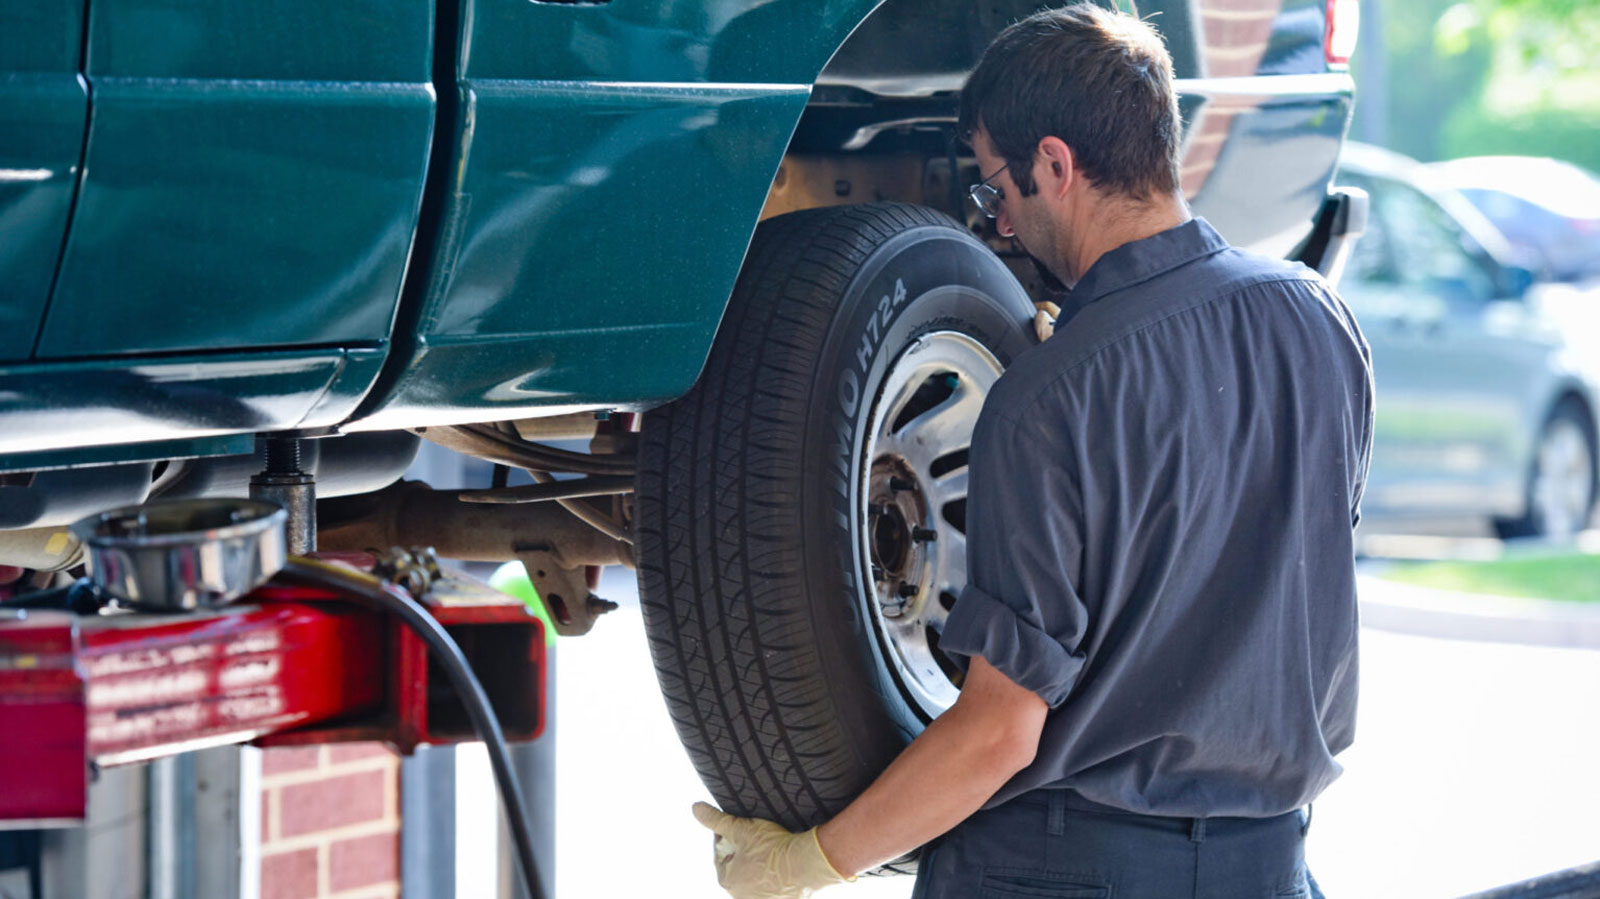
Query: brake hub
896, 535
914, 522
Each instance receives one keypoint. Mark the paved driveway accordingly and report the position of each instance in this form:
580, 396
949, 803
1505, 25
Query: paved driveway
1474, 765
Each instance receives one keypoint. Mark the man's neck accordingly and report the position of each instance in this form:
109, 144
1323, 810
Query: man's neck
1113, 221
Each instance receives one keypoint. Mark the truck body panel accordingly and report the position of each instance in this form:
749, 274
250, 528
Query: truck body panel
483, 210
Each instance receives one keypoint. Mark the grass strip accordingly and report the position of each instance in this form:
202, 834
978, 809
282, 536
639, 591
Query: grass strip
1573, 578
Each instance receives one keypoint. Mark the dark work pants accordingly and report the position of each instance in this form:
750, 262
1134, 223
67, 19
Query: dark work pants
1054, 844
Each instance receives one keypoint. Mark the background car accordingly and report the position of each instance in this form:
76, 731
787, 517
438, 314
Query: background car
1547, 209
1485, 408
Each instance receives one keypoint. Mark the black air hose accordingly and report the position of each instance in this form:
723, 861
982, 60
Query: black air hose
386, 598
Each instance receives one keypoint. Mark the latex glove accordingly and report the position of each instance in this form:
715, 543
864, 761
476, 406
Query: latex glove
1044, 321
758, 859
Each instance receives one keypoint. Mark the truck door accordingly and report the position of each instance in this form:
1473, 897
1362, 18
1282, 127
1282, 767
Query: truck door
252, 175
44, 109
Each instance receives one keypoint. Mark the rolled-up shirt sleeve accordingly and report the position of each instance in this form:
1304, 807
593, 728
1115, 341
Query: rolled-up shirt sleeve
1021, 608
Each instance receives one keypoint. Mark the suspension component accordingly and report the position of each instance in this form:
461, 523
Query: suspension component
282, 482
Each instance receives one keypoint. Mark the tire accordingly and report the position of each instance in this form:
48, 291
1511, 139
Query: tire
765, 615
1560, 490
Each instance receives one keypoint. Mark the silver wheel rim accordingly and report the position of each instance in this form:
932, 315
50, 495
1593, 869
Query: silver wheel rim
913, 520
1562, 487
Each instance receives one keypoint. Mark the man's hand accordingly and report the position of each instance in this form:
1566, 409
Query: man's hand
759, 859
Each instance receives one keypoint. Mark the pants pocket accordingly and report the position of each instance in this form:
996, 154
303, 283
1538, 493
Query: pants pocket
1019, 883
1300, 889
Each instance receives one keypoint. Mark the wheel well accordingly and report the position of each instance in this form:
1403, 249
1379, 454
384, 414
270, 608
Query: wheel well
813, 180
880, 123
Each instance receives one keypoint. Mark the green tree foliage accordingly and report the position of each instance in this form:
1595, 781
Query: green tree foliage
1472, 77
1423, 77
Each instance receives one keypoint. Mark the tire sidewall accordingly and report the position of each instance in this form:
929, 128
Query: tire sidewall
924, 279
1570, 413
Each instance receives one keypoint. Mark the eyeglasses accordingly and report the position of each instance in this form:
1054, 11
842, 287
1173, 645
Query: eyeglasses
987, 196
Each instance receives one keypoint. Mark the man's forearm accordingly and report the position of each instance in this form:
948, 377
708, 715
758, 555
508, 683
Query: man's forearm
945, 775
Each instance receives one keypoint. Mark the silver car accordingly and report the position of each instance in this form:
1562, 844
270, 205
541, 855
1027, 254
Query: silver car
1548, 209
1485, 409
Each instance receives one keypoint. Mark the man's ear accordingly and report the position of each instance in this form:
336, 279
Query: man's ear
1060, 167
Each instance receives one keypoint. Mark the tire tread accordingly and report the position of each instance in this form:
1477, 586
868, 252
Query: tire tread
717, 507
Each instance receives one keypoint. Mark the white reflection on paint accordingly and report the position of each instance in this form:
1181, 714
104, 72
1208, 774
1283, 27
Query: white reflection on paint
7, 175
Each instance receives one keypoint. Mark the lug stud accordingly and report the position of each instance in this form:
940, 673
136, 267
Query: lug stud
907, 590
924, 535
901, 485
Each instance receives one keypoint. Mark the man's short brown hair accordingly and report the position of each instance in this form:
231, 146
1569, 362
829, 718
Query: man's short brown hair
1101, 81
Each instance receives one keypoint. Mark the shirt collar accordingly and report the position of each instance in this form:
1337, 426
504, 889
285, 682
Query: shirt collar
1141, 260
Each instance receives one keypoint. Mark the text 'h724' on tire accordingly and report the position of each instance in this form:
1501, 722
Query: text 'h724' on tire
800, 518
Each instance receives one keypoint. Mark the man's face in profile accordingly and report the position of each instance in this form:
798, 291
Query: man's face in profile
1026, 220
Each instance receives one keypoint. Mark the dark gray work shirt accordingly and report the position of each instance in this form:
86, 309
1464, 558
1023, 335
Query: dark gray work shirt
1159, 526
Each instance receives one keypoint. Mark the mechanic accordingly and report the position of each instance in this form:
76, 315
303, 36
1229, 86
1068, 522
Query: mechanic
1160, 620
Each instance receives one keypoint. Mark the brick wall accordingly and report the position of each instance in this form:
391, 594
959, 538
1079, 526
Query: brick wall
330, 822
